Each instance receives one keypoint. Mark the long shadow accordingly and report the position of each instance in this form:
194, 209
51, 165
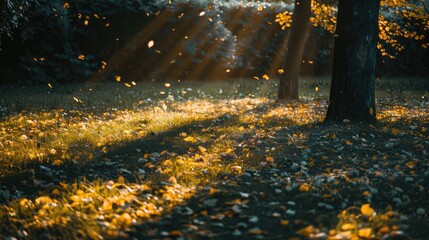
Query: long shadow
272, 203
30, 177
343, 167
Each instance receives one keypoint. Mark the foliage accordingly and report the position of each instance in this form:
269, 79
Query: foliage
402, 24
50, 32
12, 15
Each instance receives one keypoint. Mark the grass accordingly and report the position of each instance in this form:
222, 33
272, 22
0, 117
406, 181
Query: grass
98, 161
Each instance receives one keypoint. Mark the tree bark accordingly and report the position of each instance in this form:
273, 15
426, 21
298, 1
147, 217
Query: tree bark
352, 94
289, 81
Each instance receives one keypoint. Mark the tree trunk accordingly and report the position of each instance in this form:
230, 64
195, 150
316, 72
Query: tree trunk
288, 87
352, 87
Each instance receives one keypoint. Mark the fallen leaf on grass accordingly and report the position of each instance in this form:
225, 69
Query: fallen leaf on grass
190, 139
255, 231
367, 210
365, 232
304, 187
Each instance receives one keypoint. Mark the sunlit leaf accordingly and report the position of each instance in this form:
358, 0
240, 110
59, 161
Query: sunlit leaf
190, 139
348, 226
265, 77
365, 232
304, 187
367, 210
150, 44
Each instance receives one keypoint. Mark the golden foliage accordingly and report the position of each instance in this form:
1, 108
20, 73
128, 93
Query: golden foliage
405, 19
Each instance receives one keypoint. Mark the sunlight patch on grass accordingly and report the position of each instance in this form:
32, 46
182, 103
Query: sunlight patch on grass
209, 139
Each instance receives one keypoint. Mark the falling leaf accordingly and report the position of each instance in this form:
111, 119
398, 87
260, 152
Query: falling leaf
265, 76
202, 13
367, 210
81, 57
150, 44
371, 111
117, 78
259, 8
280, 71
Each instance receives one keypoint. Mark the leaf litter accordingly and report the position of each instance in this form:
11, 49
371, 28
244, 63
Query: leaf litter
220, 169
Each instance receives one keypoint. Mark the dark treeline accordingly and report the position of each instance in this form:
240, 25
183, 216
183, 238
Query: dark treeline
81, 40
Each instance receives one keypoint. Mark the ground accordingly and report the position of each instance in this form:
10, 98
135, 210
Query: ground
209, 160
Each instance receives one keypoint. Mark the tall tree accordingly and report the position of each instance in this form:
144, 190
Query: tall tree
289, 82
355, 48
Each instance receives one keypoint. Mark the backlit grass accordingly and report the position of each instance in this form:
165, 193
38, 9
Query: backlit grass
165, 142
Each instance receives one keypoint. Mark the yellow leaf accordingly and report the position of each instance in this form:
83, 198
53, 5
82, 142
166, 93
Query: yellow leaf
43, 200
118, 78
306, 231
190, 139
284, 222
265, 76
107, 206
202, 149
371, 111
367, 210
150, 44
255, 231
348, 142
395, 131
172, 180
365, 232
23, 202
304, 187
280, 71
270, 159
121, 179
347, 226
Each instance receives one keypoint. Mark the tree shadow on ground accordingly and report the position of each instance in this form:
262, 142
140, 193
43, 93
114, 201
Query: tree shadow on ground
319, 179
291, 176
